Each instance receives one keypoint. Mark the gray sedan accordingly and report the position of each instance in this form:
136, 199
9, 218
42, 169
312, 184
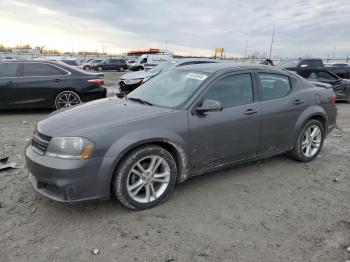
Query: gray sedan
184, 122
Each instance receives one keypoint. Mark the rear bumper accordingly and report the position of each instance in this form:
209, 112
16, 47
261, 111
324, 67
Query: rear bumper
68, 180
96, 93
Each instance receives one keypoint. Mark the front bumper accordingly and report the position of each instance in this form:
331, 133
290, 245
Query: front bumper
69, 180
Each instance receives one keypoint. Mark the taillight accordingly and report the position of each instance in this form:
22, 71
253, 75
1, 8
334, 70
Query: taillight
333, 98
96, 82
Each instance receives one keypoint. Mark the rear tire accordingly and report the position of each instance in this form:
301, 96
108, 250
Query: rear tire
86, 67
137, 185
99, 68
66, 99
309, 141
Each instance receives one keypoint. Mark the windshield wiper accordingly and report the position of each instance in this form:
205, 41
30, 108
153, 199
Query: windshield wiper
140, 101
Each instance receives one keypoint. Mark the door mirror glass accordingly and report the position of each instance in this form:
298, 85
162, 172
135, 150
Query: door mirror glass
210, 106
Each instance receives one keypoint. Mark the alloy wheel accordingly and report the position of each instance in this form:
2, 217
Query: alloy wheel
67, 99
311, 141
148, 179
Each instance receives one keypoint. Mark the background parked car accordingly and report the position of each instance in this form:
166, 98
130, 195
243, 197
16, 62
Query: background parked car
341, 70
132, 80
111, 64
297, 64
46, 84
89, 64
150, 60
340, 86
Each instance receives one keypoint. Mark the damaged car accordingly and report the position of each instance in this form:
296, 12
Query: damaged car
187, 121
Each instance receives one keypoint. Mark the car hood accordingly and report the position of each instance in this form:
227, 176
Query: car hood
97, 115
137, 75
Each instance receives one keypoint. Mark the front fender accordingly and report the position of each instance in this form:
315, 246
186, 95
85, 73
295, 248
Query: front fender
146, 136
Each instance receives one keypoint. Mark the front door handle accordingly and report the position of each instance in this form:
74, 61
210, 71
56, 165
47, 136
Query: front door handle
58, 80
298, 102
250, 111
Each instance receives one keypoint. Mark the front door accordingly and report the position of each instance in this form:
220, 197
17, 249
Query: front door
219, 138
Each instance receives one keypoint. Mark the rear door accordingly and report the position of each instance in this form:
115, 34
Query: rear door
280, 109
39, 83
8, 83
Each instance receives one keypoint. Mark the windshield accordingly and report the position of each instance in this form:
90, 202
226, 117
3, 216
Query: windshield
170, 89
162, 67
288, 63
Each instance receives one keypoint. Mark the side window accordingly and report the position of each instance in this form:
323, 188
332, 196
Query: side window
306, 64
317, 63
309, 75
36, 69
8, 69
322, 76
274, 86
232, 91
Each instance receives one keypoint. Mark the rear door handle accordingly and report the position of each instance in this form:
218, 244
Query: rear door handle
298, 102
57, 80
250, 111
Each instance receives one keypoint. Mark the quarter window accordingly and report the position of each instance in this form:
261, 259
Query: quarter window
8, 69
232, 91
274, 86
36, 69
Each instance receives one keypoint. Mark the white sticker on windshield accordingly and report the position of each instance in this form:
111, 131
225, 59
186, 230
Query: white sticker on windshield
199, 77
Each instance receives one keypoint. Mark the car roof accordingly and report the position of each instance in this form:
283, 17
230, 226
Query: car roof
216, 67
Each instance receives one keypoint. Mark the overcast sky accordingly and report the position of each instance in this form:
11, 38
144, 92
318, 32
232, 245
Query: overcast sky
303, 27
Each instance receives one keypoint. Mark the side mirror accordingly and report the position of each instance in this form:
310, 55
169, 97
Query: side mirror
210, 106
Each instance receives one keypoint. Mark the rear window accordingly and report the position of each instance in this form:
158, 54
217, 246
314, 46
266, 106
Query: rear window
317, 63
70, 62
274, 85
8, 69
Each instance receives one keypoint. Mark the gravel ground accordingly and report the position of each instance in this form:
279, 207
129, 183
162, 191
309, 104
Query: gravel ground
271, 210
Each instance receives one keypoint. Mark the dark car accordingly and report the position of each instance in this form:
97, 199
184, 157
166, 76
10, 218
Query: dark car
299, 64
110, 64
340, 86
132, 80
45, 84
184, 122
341, 70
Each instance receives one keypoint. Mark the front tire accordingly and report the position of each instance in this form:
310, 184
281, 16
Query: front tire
86, 68
145, 177
99, 68
309, 142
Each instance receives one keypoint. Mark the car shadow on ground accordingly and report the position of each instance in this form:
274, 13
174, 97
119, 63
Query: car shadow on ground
181, 194
25, 111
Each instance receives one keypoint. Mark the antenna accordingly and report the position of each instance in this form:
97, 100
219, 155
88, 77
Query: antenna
273, 35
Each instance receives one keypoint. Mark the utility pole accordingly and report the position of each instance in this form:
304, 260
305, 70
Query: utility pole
245, 49
273, 35
334, 51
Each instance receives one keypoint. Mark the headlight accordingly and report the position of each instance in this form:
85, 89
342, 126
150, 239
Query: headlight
146, 79
133, 81
70, 147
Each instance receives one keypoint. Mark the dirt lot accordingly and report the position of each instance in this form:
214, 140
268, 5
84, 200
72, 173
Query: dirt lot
271, 210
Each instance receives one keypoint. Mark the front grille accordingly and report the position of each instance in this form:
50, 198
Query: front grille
40, 142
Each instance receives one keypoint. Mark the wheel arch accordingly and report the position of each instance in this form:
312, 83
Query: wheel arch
173, 146
314, 112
